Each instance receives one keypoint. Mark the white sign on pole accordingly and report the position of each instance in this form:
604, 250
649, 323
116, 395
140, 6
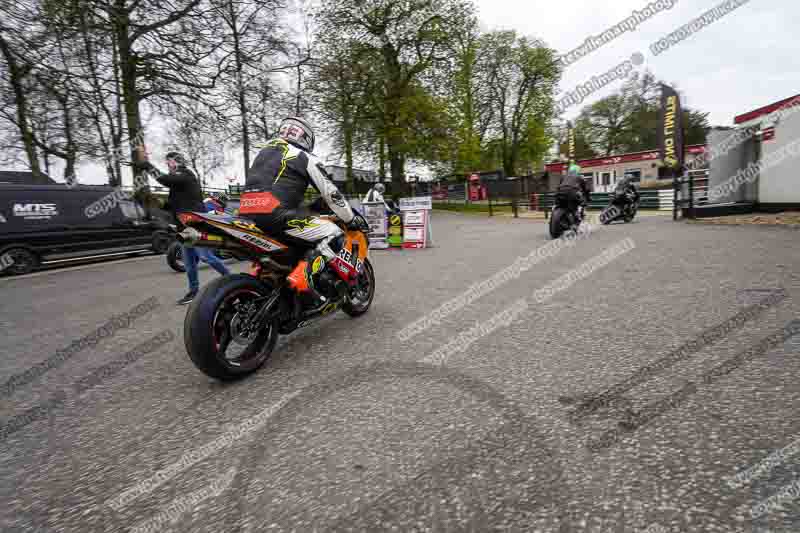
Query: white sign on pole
413, 204
416, 221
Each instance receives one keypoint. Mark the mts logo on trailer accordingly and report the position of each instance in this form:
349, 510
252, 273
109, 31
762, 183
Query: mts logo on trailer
35, 210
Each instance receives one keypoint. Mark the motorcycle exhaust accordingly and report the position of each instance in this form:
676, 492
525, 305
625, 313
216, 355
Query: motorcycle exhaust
188, 236
192, 237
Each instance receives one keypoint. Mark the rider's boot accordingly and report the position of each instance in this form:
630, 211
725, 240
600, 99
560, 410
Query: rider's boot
307, 276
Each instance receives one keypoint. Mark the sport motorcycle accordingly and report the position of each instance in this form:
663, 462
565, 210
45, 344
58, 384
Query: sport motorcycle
613, 212
565, 217
233, 324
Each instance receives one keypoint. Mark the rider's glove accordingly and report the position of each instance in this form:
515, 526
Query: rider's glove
358, 223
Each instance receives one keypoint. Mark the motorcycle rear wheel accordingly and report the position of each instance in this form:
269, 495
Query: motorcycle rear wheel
629, 217
216, 321
559, 222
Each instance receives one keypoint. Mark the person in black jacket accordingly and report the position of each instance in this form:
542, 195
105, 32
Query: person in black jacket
574, 188
185, 195
625, 194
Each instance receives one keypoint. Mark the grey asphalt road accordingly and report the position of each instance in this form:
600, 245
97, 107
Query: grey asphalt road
349, 429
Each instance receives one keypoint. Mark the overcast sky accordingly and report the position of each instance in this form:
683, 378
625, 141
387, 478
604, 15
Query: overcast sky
746, 59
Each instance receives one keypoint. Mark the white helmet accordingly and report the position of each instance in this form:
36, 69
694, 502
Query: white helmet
380, 188
297, 131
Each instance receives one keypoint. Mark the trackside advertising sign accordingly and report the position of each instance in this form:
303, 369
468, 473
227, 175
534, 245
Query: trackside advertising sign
416, 221
670, 128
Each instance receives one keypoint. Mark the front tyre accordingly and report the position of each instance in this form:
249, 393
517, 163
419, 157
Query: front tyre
362, 294
605, 217
219, 339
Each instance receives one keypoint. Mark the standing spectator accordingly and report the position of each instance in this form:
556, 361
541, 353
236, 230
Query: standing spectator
185, 195
375, 194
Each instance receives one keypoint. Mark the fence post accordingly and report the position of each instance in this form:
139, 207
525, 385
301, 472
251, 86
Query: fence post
489, 196
691, 196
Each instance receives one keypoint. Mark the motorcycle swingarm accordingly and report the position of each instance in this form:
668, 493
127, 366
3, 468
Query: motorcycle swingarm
267, 310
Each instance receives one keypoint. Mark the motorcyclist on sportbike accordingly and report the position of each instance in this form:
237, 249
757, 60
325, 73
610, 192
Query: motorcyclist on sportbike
575, 189
625, 194
274, 190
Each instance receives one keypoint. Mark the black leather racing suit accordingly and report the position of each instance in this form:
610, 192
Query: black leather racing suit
625, 195
275, 188
575, 190
274, 191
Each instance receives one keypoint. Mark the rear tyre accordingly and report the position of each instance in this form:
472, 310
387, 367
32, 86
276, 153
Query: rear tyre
215, 328
363, 293
559, 222
24, 260
175, 257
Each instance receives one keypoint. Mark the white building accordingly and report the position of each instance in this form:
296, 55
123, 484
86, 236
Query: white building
772, 154
603, 173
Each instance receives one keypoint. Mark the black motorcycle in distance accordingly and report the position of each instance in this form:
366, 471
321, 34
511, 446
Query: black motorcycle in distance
567, 216
614, 212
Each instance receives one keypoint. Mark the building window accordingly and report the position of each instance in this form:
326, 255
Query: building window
606, 178
634, 174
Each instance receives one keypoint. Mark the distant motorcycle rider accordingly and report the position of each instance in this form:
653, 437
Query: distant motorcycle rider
273, 194
574, 188
625, 194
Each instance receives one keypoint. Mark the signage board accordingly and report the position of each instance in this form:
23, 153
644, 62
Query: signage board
416, 222
375, 214
419, 202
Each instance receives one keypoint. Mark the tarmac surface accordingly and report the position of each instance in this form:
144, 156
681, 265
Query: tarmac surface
348, 427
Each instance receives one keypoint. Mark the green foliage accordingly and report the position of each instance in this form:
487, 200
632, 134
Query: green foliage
627, 121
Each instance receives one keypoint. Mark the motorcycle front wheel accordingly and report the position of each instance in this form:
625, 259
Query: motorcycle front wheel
604, 218
219, 339
362, 294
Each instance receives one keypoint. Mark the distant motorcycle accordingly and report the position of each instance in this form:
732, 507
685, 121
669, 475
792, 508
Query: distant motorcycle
565, 217
614, 212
